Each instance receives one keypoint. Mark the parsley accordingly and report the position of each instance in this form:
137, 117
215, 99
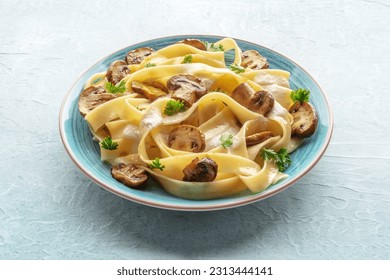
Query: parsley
174, 106
118, 88
156, 164
108, 144
236, 68
213, 48
281, 158
150, 64
226, 140
300, 95
187, 59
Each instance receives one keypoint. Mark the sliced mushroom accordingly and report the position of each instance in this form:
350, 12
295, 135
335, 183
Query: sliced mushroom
260, 101
253, 60
258, 138
117, 71
187, 88
92, 97
305, 119
187, 138
130, 175
195, 43
138, 55
204, 170
150, 92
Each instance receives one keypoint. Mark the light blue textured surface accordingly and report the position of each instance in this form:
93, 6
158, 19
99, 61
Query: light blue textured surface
50, 210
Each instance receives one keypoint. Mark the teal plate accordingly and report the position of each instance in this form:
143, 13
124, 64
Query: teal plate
77, 138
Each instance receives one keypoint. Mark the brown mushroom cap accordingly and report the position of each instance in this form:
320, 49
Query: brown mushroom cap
204, 170
258, 138
150, 92
129, 175
92, 97
253, 60
305, 119
186, 88
260, 102
138, 55
117, 71
195, 43
187, 138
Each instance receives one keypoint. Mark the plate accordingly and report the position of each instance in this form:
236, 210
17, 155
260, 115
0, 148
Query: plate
77, 139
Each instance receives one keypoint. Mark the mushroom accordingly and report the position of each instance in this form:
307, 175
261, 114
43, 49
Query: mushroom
150, 92
204, 170
187, 138
257, 138
305, 119
194, 42
117, 71
260, 101
130, 175
253, 60
186, 88
138, 55
92, 97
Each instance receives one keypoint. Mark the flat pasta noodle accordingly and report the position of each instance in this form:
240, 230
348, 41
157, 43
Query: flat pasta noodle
141, 128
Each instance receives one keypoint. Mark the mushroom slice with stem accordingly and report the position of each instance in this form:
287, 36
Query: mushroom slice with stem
260, 101
252, 59
305, 119
258, 138
186, 88
117, 71
138, 55
129, 175
92, 97
150, 92
200, 170
187, 138
194, 43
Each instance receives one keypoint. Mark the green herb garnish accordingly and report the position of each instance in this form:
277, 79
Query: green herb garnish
187, 59
150, 64
236, 68
174, 106
108, 144
226, 140
118, 88
212, 47
156, 164
300, 95
281, 158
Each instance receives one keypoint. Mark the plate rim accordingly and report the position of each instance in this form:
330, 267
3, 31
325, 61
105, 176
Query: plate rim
216, 206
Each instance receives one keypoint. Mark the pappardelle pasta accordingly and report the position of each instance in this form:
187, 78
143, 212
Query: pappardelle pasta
200, 128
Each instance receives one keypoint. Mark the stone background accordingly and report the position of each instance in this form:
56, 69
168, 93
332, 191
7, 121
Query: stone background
50, 210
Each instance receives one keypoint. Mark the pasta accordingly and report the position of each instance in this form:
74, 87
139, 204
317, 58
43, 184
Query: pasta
195, 125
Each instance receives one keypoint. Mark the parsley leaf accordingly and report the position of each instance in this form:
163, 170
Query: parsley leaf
236, 68
157, 164
226, 140
212, 47
300, 95
281, 158
174, 106
108, 144
187, 59
150, 64
118, 88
